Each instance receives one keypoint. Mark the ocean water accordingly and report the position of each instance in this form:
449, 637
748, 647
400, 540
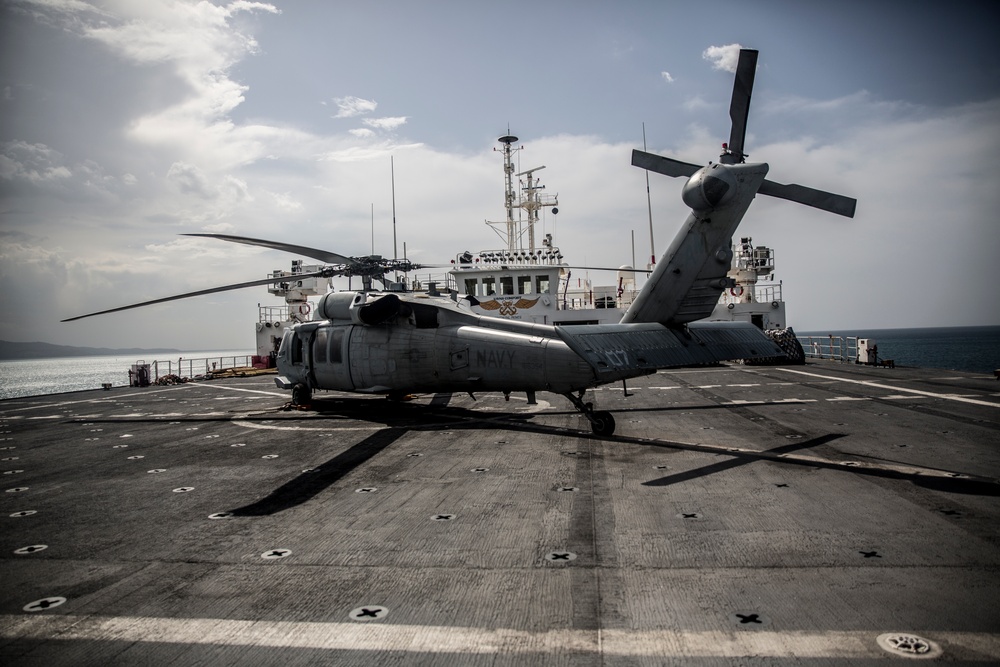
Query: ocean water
968, 349
35, 377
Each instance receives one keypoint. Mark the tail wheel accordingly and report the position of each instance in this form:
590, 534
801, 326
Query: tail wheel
603, 423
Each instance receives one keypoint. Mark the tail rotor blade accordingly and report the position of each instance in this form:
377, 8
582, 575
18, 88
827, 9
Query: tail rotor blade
315, 253
826, 201
663, 165
213, 290
739, 107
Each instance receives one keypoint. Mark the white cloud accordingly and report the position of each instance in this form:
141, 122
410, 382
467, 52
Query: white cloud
387, 124
723, 57
189, 179
365, 153
350, 106
32, 162
667, 77
697, 103
362, 132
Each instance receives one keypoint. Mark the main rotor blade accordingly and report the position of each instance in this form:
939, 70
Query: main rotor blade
602, 268
663, 165
739, 107
826, 201
225, 288
322, 255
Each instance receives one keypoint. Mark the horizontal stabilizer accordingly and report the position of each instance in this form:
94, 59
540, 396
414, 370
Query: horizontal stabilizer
610, 348
663, 165
826, 201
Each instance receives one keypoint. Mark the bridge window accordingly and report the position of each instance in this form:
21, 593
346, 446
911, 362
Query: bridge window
470, 286
489, 285
506, 285
524, 284
542, 284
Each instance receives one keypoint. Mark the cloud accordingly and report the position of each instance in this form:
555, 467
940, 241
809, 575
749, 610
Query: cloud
387, 124
367, 152
199, 43
189, 179
350, 106
362, 132
697, 103
667, 77
32, 162
723, 58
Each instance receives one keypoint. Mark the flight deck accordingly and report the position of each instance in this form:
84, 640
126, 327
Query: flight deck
804, 515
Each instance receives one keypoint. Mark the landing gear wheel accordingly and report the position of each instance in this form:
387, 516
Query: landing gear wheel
301, 394
603, 423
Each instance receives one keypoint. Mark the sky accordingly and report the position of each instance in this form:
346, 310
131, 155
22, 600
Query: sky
124, 124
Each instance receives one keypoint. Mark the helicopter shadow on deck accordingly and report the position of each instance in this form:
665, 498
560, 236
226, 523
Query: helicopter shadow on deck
401, 418
398, 417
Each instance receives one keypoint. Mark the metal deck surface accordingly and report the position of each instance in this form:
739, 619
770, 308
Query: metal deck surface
740, 515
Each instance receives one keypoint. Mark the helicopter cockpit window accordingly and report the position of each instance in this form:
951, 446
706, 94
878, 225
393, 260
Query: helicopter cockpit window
489, 285
470, 286
524, 284
542, 284
506, 285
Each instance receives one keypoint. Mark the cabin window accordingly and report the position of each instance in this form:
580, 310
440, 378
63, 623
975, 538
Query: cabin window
524, 284
470, 286
319, 346
297, 345
542, 284
337, 346
489, 286
506, 285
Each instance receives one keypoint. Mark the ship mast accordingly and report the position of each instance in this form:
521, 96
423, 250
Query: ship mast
509, 197
531, 202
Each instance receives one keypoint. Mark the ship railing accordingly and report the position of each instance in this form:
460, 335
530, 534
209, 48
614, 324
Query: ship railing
273, 313
189, 368
761, 294
588, 300
837, 348
299, 312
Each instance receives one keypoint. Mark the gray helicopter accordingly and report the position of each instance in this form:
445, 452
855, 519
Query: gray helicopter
396, 343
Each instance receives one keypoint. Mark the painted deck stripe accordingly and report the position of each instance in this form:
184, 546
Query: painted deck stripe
458, 640
249, 391
920, 392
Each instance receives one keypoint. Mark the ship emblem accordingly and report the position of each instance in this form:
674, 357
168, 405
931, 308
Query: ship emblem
508, 308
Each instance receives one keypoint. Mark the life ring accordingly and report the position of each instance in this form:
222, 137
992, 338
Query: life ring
305, 308
736, 290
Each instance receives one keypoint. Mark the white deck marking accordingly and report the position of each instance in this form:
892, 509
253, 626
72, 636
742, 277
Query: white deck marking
277, 427
285, 395
429, 639
113, 397
920, 392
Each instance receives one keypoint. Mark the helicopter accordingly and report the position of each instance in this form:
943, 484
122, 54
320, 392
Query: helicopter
394, 342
